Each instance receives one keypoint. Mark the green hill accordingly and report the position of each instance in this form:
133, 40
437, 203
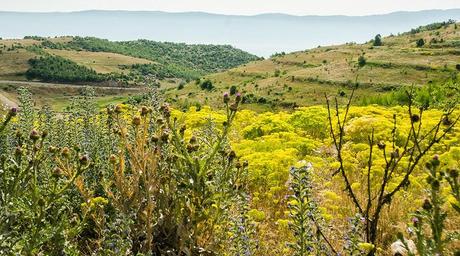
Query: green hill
428, 55
127, 62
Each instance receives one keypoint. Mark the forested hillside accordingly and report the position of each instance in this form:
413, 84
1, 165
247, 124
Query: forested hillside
127, 62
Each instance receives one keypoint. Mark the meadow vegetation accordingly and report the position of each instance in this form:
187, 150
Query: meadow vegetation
148, 179
380, 67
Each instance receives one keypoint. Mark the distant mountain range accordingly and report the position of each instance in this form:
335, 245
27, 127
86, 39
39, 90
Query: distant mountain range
263, 34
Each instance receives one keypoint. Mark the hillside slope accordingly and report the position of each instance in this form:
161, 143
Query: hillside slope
128, 62
302, 78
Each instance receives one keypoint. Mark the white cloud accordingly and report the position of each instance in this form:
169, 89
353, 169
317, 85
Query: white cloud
298, 7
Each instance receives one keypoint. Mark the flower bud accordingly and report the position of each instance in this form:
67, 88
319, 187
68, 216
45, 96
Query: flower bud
435, 184
234, 107
415, 118
182, 130
13, 112
453, 173
34, 136
118, 109
84, 160
435, 161
52, 149
155, 139
231, 155
65, 152
165, 136
427, 205
446, 121
238, 97
144, 111
113, 159
226, 98
415, 221
166, 110
136, 121
193, 140
57, 172
18, 151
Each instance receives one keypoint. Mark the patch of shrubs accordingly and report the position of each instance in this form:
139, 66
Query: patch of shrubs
58, 69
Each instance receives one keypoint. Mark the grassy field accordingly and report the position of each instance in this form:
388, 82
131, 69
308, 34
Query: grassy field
302, 78
59, 96
13, 64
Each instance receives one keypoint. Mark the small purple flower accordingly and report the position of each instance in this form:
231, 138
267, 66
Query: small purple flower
415, 221
238, 97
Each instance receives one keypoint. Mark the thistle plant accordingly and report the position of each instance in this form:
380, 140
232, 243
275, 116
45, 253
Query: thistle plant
34, 196
432, 214
307, 223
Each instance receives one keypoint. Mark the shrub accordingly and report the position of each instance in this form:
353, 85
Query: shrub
206, 85
377, 40
361, 61
420, 42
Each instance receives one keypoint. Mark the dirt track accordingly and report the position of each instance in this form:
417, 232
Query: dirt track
51, 85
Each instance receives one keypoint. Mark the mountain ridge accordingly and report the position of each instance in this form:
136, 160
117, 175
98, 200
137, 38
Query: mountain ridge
262, 35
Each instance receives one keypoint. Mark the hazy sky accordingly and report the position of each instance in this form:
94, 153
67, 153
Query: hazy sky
299, 7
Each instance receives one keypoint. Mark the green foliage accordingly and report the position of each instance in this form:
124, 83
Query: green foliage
361, 61
432, 26
305, 215
57, 69
420, 42
171, 58
432, 213
206, 85
377, 40
233, 90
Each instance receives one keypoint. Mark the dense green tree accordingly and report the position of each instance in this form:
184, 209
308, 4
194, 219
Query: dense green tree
233, 90
378, 40
420, 42
206, 85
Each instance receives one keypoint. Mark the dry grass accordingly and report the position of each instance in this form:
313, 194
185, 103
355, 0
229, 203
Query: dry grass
13, 64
